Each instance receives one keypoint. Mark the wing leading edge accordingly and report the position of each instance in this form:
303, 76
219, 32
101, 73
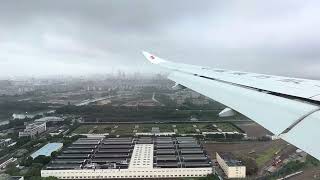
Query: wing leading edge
281, 113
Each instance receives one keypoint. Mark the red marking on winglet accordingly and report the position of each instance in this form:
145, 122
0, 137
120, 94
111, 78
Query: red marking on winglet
152, 57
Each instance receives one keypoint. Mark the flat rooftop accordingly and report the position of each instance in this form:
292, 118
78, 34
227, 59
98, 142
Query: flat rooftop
47, 149
230, 159
127, 153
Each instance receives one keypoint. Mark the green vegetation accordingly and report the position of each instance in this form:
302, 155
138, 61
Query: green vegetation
226, 127
15, 123
211, 105
148, 127
68, 140
11, 169
267, 155
185, 129
251, 165
295, 166
289, 168
164, 99
33, 167
21, 142
311, 161
7, 108
122, 129
108, 113
84, 129
210, 177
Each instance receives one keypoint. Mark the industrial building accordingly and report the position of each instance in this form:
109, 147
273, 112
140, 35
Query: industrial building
33, 129
232, 168
50, 119
4, 164
127, 157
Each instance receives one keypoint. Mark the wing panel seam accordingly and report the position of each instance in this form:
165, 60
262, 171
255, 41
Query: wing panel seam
299, 120
259, 90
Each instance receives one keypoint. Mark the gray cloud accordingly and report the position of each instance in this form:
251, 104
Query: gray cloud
82, 37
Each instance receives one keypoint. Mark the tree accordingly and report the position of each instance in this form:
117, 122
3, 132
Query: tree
69, 140
27, 161
54, 154
5, 176
313, 161
50, 178
42, 159
251, 165
67, 121
34, 171
12, 170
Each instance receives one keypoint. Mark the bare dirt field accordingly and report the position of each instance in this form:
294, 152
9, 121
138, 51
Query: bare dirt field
261, 151
240, 147
253, 129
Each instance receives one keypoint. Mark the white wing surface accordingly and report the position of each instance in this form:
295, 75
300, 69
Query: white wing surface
288, 107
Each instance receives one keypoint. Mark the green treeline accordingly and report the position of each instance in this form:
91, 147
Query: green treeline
110, 113
7, 108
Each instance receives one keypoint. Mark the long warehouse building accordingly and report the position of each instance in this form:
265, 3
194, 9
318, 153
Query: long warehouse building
125, 158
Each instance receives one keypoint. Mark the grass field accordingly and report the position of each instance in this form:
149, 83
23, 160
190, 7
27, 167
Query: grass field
268, 154
83, 129
123, 129
131, 129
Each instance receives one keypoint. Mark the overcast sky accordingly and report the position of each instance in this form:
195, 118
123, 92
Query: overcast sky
75, 37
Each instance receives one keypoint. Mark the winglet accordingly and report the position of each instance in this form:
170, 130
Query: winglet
152, 58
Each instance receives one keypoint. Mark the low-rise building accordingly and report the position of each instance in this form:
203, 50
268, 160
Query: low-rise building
47, 149
155, 134
16, 178
5, 142
50, 119
4, 164
33, 129
232, 168
22, 116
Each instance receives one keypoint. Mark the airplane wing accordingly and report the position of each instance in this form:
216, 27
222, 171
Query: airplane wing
288, 107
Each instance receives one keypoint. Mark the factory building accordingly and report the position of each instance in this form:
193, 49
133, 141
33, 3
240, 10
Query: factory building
125, 158
47, 149
232, 168
50, 119
33, 129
